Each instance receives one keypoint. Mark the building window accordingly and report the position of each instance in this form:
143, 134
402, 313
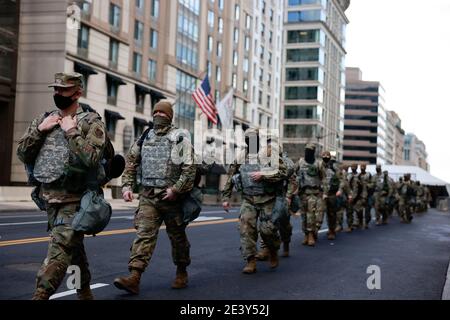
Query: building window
237, 12
210, 43
245, 87
138, 31
83, 40
245, 65
185, 107
247, 43
301, 131
114, 16
209, 68
303, 112
140, 101
140, 4
155, 8
260, 99
262, 53
218, 74
137, 63
210, 19
234, 81
221, 4
269, 60
236, 35
153, 39
219, 49
302, 74
263, 29
261, 74
303, 36
235, 58
220, 25
307, 15
151, 70
297, 55
113, 53
268, 102
248, 22
301, 93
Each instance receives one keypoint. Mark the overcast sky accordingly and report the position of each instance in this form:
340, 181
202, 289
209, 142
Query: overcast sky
405, 44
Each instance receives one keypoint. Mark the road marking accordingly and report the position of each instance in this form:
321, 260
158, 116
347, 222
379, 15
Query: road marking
108, 233
201, 218
71, 292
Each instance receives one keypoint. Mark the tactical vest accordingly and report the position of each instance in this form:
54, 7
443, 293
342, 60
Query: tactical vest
379, 182
55, 160
158, 170
308, 174
249, 186
332, 178
290, 166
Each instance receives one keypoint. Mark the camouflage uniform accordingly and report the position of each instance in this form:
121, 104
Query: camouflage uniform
336, 183
420, 203
383, 192
361, 206
153, 211
82, 148
312, 184
355, 186
427, 198
343, 200
256, 206
407, 202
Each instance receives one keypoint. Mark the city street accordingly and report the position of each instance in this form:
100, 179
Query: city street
413, 261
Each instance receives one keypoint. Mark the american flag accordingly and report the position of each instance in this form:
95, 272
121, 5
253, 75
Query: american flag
202, 96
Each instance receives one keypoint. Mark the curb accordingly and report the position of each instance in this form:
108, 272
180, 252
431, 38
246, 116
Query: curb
446, 291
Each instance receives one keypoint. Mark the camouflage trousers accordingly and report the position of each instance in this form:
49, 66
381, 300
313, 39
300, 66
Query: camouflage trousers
362, 210
381, 207
406, 206
249, 227
285, 229
149, 216
331, 208
64, 249
312, 211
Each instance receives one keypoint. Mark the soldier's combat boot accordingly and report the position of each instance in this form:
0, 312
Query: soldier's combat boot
273, 259
40, 294
285, 249
338, 229
263, 254
331, 235
129, 283
305, 240
85, 294
181, 279
250, 267
311, 240
349, 230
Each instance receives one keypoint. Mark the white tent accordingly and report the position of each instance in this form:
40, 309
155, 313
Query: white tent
417, 174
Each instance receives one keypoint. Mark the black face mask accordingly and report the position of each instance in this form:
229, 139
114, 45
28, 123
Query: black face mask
326, 160
63, 102
363, 170
310, 156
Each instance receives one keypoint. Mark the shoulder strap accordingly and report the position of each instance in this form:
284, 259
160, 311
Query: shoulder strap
143, 136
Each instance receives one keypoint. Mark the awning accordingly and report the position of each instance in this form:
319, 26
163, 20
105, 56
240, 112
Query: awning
117, 80
156, 96
84, 69
114, 115
141, 89
140, 121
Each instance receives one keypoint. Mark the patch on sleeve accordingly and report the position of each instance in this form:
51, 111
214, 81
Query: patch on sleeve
99, 133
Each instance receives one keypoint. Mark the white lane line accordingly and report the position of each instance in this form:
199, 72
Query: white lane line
70, 292
201, 218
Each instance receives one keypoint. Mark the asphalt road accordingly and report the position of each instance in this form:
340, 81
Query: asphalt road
413, 261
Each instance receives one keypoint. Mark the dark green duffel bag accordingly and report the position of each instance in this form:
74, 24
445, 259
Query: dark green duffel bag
94, 214
192, 205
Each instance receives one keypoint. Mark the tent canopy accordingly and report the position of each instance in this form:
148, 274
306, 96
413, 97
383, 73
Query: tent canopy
438, 186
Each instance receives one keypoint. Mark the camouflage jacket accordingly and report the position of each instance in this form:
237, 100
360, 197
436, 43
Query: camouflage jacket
133, 160
86, 141
278, 176
322, 176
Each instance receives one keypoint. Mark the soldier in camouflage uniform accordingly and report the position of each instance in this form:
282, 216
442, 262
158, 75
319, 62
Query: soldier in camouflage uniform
407, 200
427, 198
63, 145
355, 186
343, 199
313, 190
362, 206
335, 181
420, 203
285, 226
260, 185
164, 182
383, 192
